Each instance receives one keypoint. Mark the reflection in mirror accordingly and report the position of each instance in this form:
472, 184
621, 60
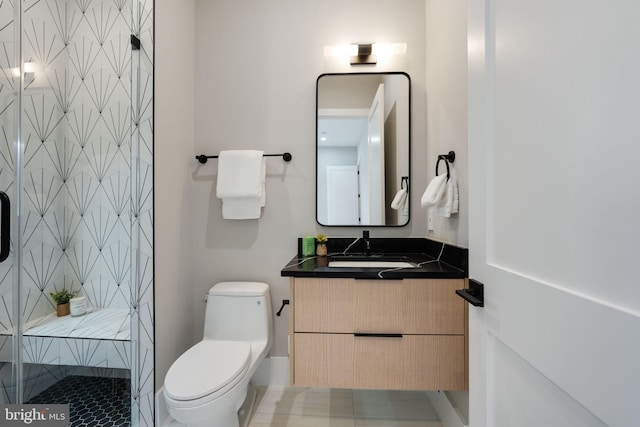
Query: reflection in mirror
362, 149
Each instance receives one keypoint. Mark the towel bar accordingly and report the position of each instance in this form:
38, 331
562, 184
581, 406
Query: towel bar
285, 156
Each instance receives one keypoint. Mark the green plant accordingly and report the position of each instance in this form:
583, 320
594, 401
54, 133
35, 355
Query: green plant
63, 296
321, 239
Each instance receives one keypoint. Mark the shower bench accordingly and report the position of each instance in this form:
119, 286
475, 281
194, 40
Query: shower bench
100, 338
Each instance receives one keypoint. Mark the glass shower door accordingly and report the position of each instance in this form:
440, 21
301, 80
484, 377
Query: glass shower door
76, 151
10, 88
76, 231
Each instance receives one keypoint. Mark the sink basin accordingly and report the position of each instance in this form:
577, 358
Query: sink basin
372, 264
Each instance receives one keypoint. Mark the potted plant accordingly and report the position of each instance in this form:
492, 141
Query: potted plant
62, 298
321, 248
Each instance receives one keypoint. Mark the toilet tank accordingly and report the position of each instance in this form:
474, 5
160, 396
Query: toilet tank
238, 311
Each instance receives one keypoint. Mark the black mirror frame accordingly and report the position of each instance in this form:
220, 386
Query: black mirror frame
408, 144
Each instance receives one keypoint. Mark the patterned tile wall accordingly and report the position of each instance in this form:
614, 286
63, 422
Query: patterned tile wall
87, 128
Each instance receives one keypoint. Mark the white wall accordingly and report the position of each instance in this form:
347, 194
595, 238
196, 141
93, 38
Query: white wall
174, 136
446, 83
256, 68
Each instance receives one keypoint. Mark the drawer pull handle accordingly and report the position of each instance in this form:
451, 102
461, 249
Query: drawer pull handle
364, 334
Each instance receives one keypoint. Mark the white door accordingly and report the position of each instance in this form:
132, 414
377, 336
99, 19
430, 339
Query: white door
342, 195
554, 187
376, 159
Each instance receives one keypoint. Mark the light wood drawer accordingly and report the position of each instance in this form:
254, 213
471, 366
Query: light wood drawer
410, 362
409, 306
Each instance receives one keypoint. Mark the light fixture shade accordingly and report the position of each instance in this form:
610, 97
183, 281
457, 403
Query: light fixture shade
389, 49
365, 53
341, 50
27, 68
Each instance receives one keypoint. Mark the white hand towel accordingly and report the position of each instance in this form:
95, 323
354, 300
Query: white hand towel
456, 192
434, 191
449, 202
241, 183
241, 208
404, 208
263, 173
399, 199
401, 202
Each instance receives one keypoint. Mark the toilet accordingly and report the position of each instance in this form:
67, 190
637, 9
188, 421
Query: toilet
208, 383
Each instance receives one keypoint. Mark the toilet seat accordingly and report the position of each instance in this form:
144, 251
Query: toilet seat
207, 368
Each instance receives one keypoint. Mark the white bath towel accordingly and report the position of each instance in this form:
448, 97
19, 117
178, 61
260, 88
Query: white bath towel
450, 200
434, 191
241, 183
401, 202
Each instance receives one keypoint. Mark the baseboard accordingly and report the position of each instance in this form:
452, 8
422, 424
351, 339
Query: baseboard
272, 371
162, 413
447, 412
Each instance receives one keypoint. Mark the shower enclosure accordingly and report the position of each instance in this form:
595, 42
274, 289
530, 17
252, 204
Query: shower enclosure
76, 164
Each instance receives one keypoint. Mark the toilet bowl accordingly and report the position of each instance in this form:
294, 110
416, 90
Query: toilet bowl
207, 384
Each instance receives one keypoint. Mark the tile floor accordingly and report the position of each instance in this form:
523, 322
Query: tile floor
93, 401
302, 407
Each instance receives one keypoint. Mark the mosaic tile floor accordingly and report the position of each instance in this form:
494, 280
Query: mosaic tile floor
93, 401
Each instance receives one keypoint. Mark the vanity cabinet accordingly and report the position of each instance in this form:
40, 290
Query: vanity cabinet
378, 334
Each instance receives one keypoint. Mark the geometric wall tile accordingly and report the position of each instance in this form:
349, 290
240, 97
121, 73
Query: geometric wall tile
83, 55
119, 354
65, 87
43, 116
82, 189
101, 224
82, 123
82, 352
117, 119
88, 122
118, 260
63, 225
82, 258
41, 264
41, 189
41, 350
117, 190
100, 154
6, 348
101, 293
64, 156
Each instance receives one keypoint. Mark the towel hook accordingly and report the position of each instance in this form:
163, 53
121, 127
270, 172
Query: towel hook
404, 182
450, 157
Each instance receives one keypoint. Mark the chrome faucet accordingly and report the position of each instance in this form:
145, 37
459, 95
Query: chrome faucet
366, 244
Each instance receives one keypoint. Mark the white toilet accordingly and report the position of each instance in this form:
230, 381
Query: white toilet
207, 384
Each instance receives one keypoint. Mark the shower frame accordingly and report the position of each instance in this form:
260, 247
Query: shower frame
71, 223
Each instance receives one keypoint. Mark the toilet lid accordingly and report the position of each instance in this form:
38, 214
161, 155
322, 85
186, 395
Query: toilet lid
205, 368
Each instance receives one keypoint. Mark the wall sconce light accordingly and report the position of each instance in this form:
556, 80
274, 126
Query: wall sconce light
30, 69
367, 53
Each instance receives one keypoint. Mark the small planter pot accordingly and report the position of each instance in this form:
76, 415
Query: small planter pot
321, 250
63, 309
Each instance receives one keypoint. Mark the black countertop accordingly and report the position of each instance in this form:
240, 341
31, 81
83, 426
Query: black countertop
435, 260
